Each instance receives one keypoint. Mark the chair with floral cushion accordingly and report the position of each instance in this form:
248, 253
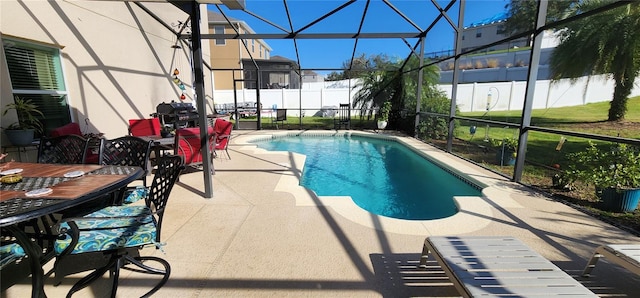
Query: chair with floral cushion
65, 149
12, 266
118, 233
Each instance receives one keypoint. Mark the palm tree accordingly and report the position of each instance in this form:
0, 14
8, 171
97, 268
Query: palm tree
522, 14
387, 83
605, 43
380, 83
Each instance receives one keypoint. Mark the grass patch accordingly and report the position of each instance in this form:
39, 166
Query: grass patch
542, 156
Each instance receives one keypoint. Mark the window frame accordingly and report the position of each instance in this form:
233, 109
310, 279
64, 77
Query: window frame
219, 41
52, 98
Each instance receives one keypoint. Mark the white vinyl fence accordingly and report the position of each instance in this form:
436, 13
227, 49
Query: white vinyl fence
495, 96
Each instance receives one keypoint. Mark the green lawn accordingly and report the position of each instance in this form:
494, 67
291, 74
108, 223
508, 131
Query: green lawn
587, 118
541, 147
293, 122
541, 153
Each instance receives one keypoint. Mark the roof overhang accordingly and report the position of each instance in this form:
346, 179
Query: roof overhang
231, 4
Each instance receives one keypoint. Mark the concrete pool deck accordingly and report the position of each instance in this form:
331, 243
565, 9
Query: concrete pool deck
262, 235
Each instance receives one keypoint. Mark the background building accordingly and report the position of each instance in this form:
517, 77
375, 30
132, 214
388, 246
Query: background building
488, 31
310, 76
504, 62
275, 73
228, 57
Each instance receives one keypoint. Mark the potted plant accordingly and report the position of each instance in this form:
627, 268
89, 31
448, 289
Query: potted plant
21, 133
506, 150
614, 171
383, 115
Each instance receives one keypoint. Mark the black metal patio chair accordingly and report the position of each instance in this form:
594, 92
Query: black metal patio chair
281, 116
344, 117
127, 151
113, 236
66, 149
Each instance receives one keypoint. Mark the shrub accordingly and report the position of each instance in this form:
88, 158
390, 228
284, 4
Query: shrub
510, 144
614, 167
384, 111
493, 63
435, 127
467, 65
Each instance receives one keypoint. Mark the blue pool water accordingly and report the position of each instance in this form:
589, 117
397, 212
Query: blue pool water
381, 176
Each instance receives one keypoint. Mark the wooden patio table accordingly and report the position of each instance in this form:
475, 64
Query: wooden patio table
16, 207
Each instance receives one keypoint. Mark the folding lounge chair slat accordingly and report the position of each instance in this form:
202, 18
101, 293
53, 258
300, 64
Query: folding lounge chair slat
530, 291
500, 267
489, 267
503, 275
625, 255
523, 282
630, 252
490, 254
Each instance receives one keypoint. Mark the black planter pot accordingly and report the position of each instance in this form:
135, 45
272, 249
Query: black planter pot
619, 200
20, 137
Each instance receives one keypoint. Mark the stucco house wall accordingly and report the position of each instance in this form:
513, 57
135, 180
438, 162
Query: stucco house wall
117, 60
227, 58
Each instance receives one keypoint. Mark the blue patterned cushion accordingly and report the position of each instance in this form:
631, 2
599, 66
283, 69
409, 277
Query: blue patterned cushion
109, 228
10, 253
140, 192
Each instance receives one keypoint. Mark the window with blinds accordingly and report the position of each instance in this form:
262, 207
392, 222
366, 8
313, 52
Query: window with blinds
36, 74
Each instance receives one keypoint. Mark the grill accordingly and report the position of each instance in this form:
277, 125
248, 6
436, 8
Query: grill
177, 114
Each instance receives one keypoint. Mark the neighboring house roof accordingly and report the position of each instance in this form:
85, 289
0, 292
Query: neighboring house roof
274, 60
280, 58
498, 18
218, 19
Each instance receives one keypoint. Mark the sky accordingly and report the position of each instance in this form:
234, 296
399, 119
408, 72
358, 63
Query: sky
332, 53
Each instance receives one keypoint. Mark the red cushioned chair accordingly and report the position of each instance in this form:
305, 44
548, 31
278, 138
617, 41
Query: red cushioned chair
74, 129
187, 144
222, 129
69, 129
144, 127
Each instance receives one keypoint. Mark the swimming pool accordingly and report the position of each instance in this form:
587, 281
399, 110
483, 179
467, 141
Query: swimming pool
381, 176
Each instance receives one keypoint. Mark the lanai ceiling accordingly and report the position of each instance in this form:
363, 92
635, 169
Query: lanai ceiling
354, 27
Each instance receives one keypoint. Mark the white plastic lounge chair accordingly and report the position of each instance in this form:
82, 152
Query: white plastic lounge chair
625, 255
482, 266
